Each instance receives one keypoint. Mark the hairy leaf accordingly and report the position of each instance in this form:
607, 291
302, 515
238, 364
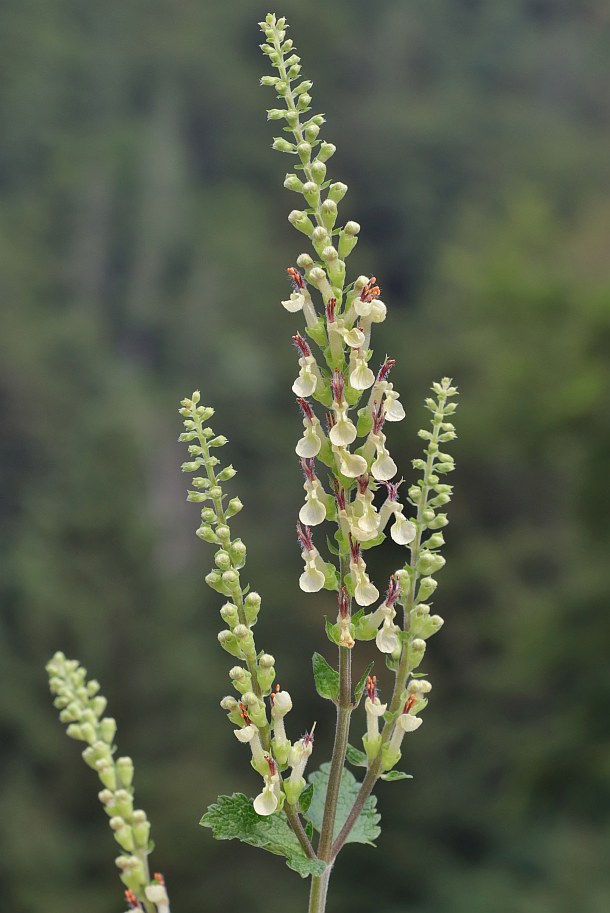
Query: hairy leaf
325, 677
366, 829
396, 775
359, 689
355, 756
233, 818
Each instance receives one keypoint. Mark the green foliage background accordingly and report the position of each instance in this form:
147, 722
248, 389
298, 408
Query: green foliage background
143, 242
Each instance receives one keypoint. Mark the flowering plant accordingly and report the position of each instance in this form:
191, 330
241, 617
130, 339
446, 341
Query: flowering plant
350, 483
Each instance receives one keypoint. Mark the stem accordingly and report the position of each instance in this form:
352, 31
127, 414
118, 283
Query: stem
297, 826
319, 890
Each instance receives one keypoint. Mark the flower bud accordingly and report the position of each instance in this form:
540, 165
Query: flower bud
106, 773
304, 261
108, 729
241, 678
229, 614
207, 534
265, 675
292, 182
325, 152
237, 552
222, 560
337, 191
318, 172
429, 563
214, 580
233, 507
427, 586
230, 580
229, 472
140, 828
282, 145
417, 648
304, 150
124, 768
224, 533
329, 213
435, 541
252, 604
74, 731
122, 834
256, 709
229, 642
311, 132
311, 192
124, 803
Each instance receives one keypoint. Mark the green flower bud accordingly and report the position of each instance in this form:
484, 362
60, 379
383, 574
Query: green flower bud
276, 113
237, 552
223, 533
329, 213
301, 221
70, 714
208, 515
417, 649
229, 614
241, 678
229, 642
88, 733
311, 132
74, 731
219, 441
305, 261
293, 789
98, 704
124, 768
122, 834
325, 152
371, 746
429, 563
427, 586
269, 80
140, 828
304, 150
215, 492
252, 604
124, 803
265, 673
193, 466
292, 182
233, 507
106, 773
229, 472
222, 560
230, 580
311, 192
256, 709
348, 239
214, 580
108, 729
282, 145
437, 522
337, 191
318, 172
435, 541
207, 534
304, 86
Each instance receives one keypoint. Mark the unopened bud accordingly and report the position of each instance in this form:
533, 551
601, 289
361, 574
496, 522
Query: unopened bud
292, 182
233, 507
229, 614
222, 560
230, 643
337, 191
124, 768
329, 213
318, 172
325, 151
207, 534
252, 604
304, 150
237, 552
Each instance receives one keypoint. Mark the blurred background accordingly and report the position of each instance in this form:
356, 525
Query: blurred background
143, 247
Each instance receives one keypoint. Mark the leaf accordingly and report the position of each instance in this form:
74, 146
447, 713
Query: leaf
309, 830
325, 677
396, 775
332, 631
366, 829
331, 578
332, 548
355, 756
306, 797
371, 543
233, 818
359, 689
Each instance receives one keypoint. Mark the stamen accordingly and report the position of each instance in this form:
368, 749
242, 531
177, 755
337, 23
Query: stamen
331, 306
295, 277
410, 701
363, 482
337, 386
371, 687
272, 765
370, 290
305, 408
355, 549
244, 714
392, 490
304, 536
331, 421
393, 591
378, 418
385, 369
158, 877
308, 469
301, 345
132, 900
273, 693
339, 495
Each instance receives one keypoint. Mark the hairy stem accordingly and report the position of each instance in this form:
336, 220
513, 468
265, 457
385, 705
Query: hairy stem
319, 890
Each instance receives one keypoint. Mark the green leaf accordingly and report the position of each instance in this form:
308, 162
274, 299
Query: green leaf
356, 757
318, 332
306, 797
331, 578
309, 830
326, 678
396, 775
371, 543
366, 829
332, 631
359, 689
332, 548
233, 818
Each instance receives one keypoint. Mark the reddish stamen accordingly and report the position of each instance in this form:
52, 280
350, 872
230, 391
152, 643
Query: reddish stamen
355, 549
308, 738
331, 306
331, 421
304, 536
337, 385
363, 483
305, 408
272, 765
378, 418
273, 693
370, 290
385, 369
339, 495
393, 591
158, 877
244, 714
301, 345
296, 279
410, 701
371, 687
132, 900
308, 469
392, 490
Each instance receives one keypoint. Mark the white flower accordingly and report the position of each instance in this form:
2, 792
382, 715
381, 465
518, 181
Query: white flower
250, 734
354, 337
350, 464
384, 467
387, 636
309, 445
306, 383
406, 722
366, 516
282, 704
313, 577
157, 894
374, 710
268, 800
313, 512
295, 302
343, 432
403, 531
361, 377
365, 592
394, 409
378, 311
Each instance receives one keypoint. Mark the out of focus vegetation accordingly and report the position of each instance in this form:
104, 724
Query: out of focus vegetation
143, 241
